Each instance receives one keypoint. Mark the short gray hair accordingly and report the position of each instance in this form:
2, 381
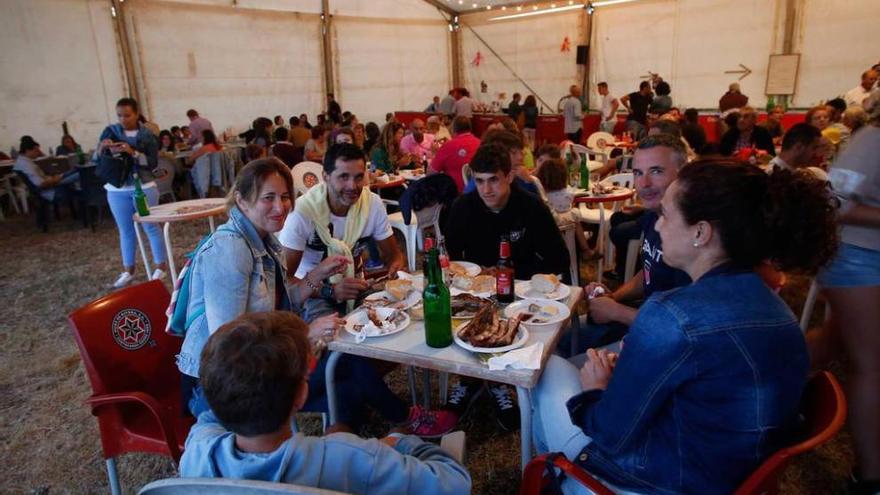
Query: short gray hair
679, 152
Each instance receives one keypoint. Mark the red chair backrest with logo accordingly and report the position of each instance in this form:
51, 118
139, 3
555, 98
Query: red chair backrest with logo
130, 362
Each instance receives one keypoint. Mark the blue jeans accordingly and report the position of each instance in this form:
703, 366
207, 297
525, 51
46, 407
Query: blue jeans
122, 206
552, 429
853, 266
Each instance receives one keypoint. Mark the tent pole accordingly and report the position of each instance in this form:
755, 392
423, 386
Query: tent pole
327, 45
121, 30
454, 40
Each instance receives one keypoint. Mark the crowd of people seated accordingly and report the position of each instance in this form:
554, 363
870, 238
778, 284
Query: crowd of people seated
686, 376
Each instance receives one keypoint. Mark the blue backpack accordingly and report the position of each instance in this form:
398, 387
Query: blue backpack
178, 318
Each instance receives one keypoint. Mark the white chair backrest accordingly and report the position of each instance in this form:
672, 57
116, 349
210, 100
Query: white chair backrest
227, 486
592, 154
466, 173
600, 141
429, 216
303, 169
623, 180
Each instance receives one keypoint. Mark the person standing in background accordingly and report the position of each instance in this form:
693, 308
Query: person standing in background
608, 109
573, 113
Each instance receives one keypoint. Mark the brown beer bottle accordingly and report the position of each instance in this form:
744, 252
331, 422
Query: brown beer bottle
504, 274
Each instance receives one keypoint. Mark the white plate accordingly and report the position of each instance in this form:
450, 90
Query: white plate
522, 306
522, 336
524, 290
412, 298
410, 175
454, 291
472, 269
359, 317
418, 279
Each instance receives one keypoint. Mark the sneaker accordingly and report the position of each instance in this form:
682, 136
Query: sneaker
431, 424
462, 397
124, 279
158, 274
506, 410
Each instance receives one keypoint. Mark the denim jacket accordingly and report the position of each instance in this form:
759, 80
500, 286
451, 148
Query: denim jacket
145, 142
232, 273
708, 385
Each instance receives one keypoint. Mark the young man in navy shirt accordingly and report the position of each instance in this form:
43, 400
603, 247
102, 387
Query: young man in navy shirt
656, 163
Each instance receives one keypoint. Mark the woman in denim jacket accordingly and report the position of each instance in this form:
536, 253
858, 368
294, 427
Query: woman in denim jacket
130, 137
238, 270
709, 381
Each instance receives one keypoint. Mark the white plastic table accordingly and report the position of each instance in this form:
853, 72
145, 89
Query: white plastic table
408, 348
177, 212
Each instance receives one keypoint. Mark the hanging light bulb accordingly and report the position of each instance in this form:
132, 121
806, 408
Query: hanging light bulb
488, 7
534, 7
518, 8
504, 7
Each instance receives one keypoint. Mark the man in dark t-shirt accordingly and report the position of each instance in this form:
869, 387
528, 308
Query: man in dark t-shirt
656, 163
638, 103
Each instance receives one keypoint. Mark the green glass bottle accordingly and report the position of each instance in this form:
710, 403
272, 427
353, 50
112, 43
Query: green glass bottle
435, 297
140, 199
585, 173
80, 156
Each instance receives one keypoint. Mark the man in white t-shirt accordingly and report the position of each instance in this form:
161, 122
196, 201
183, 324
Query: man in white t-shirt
858, 94
345, 177
464, 104
608, 109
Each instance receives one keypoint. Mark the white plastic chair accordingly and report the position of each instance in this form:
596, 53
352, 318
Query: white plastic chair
809, 303
601, 141
300, 170
166, 182
596, 159
412, 232
18, 193
568, 235
466, 173
227, 486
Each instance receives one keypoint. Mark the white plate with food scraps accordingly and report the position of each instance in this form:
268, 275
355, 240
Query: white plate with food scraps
383, 299
523, 290
543, 312
522, 336
471, 269
391, 321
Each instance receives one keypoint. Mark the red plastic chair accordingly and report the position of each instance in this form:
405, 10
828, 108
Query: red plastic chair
130, 363
823, 407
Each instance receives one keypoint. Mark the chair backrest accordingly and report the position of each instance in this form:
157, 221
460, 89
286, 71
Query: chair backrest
227, 486
592, 154
623, 179
600, 141
27, 182
123, 345
306, 170
823, 408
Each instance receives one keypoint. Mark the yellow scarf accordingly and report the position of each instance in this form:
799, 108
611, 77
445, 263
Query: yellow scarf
313, 205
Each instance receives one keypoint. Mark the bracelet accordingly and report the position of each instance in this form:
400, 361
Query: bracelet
309, 283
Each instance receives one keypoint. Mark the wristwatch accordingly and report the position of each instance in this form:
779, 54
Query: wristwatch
327, 291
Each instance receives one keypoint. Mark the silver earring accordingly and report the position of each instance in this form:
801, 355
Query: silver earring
696, 244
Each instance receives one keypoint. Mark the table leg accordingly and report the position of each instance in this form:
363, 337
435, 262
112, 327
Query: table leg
330, 385
524, 397
411, 379
169, 252
426, 388
211, 223
575, 329
140, 239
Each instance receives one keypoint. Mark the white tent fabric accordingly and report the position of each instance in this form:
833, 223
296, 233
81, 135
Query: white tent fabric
690, 43
59, 64
231, 67
531, 47
384, 65
837, 45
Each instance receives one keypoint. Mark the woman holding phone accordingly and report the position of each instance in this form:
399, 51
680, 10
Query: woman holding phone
131, 139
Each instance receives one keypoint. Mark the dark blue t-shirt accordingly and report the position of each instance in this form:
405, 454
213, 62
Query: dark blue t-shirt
658, 276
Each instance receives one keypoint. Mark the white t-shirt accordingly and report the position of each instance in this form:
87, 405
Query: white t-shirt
142, 160
856, 96
299, 234
464, 107
607, 102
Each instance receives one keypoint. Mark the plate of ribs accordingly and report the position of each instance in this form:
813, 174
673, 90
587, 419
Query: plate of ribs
376, 322
487, 333
465, 306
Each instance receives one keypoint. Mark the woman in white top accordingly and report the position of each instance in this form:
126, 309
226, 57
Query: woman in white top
129, 137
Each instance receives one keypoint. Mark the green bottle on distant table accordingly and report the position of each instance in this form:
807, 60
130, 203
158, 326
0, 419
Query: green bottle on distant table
140, 199
585, 173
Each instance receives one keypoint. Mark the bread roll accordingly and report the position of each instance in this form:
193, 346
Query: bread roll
463, 282
456, 269
484, 283
398, 289
545, 284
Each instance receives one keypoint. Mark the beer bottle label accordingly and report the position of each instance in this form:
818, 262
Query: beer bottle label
503, 282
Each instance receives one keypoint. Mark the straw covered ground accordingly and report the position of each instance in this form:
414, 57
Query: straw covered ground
49, 442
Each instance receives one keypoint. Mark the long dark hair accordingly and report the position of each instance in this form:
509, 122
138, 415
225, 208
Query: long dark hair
787, 217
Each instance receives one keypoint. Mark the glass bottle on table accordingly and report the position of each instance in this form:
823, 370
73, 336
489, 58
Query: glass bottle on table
436, 301
584, 173
504, 273
140, 199
444, 262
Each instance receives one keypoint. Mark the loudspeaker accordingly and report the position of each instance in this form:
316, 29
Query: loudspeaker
582, 54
